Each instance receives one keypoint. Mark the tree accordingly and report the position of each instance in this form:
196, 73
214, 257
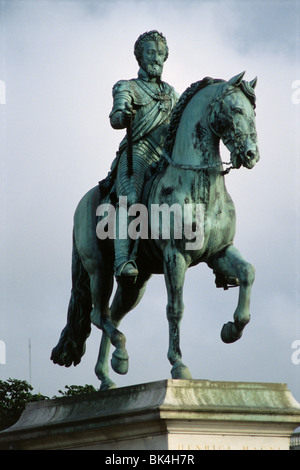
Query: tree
72, 390
14, 395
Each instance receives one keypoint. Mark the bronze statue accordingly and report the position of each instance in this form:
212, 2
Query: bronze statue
189, 186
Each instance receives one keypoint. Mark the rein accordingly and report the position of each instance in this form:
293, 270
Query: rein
183, 166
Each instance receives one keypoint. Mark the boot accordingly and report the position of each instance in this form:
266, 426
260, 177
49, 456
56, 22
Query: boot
124, 266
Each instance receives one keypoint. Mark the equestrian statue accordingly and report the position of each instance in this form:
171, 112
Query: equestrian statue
162, 208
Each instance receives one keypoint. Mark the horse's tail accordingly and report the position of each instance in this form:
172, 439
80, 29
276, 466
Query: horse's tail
71, 345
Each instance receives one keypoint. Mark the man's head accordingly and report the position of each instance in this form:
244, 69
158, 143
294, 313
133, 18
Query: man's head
151, 51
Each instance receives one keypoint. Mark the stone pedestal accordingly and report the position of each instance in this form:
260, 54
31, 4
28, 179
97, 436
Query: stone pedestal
178, 415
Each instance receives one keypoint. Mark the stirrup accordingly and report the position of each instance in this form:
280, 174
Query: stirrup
127, 270
225, 281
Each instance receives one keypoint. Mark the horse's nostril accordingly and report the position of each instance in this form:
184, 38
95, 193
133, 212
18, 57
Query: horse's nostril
250, 154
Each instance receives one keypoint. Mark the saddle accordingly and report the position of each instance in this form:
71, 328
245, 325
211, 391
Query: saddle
107, 185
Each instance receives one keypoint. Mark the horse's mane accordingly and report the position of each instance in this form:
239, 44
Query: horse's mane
184, 99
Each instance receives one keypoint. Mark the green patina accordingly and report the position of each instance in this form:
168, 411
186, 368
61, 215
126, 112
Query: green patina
183, 151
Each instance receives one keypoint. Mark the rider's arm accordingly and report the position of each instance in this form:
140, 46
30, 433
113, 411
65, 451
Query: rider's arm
122, 106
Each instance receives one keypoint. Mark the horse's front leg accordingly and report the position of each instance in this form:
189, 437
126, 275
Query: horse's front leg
101, 368
174, 271
101, 284
127, 296
230, 263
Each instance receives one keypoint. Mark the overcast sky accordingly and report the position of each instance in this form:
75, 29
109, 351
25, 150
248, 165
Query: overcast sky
59, 61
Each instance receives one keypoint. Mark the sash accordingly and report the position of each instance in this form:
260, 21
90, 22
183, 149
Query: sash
155, 117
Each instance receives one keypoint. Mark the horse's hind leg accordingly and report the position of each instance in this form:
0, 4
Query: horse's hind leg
230, 263
174, 270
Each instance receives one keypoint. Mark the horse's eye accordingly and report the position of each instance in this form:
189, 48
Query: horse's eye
238, 110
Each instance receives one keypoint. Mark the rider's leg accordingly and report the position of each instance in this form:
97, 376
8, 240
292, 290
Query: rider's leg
127, 195
124, 265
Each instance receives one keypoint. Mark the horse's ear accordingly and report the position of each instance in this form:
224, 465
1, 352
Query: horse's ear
235, 81
253, 82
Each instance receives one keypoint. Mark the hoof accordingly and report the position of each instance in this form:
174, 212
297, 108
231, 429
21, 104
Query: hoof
119, 361
180, 371
107, 384
230, 333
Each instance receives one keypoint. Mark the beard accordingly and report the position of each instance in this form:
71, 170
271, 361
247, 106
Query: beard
153, 70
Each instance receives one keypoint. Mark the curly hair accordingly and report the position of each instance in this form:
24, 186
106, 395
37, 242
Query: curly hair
149, 36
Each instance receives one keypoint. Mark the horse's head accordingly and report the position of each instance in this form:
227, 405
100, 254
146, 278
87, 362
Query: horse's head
232, 119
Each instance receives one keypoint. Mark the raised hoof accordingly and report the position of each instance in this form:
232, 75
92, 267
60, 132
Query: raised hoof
180, 371
119, 361
230, 333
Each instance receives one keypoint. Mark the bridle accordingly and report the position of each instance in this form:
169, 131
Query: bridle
212, 166
233, 139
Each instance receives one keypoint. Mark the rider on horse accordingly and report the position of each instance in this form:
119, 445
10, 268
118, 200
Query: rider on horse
143, 106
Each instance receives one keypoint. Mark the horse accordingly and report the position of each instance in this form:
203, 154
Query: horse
190, 174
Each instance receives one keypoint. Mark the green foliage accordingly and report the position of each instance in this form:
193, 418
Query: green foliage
14, 395
72, 390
